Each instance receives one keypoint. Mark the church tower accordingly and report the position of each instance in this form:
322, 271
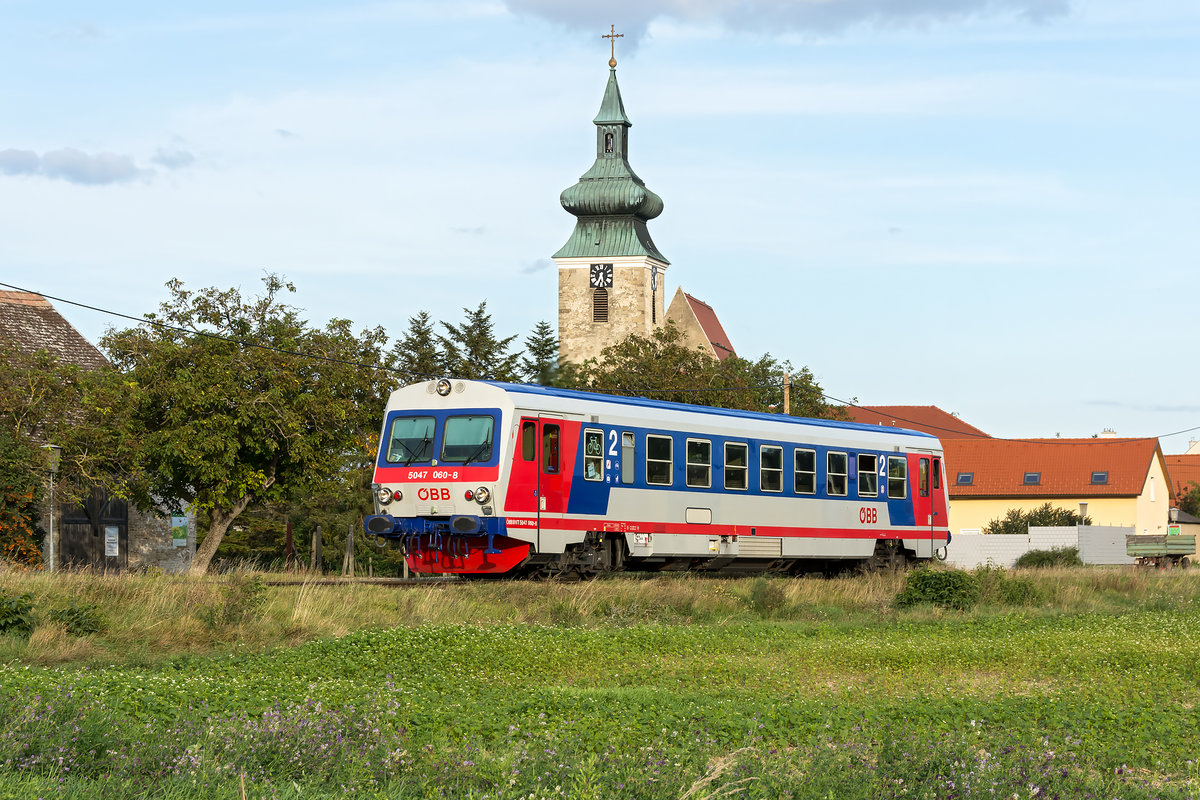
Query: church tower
610, 274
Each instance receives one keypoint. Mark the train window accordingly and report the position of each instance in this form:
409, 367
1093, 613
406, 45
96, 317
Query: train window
937, 473
923, 477
699, 463
835, 474
737, 456
468, 439
805, 477
410, 439
627, 457
770, 468
868, 481
658, 460
897, 477
593, 455
550, 438
528, 440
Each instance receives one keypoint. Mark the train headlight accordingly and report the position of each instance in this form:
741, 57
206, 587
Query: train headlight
383, 495
482, 495
443, 387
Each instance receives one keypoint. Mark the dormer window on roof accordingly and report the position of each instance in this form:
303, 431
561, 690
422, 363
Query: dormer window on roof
1099, 478
1033, 479
965, 479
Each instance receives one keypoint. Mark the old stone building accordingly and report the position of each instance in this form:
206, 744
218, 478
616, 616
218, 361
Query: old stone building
610, 273
104, 531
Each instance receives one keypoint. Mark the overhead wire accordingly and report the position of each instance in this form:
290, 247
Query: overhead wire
679, 390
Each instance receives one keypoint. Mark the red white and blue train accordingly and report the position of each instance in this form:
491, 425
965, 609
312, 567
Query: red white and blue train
480, 478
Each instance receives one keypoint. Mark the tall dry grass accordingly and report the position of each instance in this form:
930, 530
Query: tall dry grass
150, 617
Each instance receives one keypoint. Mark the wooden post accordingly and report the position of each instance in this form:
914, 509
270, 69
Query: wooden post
348, 556
289, 548
370, 566
317, 561
787, 393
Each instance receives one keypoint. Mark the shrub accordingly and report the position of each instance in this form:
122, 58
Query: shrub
997, 586
79, 620
767, 597
16, 614
948, 588
1058, 557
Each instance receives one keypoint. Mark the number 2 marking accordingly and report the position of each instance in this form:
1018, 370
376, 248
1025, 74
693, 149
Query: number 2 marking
612, 443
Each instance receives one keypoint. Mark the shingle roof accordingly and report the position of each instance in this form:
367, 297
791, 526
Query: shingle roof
1065, 466
711, 326
1184, 470
29, 322
929, 419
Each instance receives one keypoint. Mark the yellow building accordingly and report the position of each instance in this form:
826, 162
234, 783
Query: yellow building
1123, 481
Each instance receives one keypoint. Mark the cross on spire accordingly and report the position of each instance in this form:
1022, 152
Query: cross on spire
612, 37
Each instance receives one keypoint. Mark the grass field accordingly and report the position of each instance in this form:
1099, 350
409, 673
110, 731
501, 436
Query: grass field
1059, 683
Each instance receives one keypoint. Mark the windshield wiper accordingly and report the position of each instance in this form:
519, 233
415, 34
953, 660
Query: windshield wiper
478, 450
416, 453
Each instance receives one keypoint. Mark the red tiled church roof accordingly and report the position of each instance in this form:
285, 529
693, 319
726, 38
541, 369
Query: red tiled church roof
712, 327
928, 419
30, 323
998, 466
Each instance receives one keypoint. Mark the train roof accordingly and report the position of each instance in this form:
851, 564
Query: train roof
665, 405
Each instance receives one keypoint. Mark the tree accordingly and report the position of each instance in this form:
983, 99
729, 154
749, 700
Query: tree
20, 493
663, 368
223, 411
1189, 502
540, 362
417, 356
1019, 521
472, 350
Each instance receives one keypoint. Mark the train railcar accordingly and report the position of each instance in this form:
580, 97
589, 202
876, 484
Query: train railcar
482, 478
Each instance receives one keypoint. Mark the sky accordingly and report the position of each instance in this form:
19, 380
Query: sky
989, 206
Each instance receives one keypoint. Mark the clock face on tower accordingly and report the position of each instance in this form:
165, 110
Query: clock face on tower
602, 276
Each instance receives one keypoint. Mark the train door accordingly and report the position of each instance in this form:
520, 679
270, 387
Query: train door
551, 469
938, 517
922, 497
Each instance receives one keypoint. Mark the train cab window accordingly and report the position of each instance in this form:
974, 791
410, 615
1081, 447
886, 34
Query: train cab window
410, 440
528, 440
627, 457
835, 474
467, 439
923, 477
937, 473
805, 475
737, 464
550, 439
699, 463
658, 460
868, 481
593, 455
770, 468
897, 477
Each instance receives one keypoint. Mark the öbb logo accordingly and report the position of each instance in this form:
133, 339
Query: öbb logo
433, 493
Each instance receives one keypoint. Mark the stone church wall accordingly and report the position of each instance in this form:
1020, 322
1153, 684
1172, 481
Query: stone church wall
629, 309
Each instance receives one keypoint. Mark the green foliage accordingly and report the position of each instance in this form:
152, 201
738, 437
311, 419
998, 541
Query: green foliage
997, 587
663, 368
16, 614
1056, 557
240, 599
540, 362
947, 588
417, 356
19, 500
79, 620
219, 423
472, 351
1189, 502
1018, 521
766, 597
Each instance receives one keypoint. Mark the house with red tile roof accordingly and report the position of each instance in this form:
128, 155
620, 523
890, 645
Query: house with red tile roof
1184, 470
928, 419
1123, 481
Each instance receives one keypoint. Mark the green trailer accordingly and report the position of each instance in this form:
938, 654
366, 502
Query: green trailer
1162, 552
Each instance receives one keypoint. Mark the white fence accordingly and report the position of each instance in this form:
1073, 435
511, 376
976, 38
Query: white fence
1098, 544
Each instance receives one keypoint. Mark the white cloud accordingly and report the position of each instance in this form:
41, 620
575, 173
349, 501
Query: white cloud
73, 166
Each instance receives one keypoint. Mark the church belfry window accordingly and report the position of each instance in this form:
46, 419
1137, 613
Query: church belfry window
608, 143
600, 305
